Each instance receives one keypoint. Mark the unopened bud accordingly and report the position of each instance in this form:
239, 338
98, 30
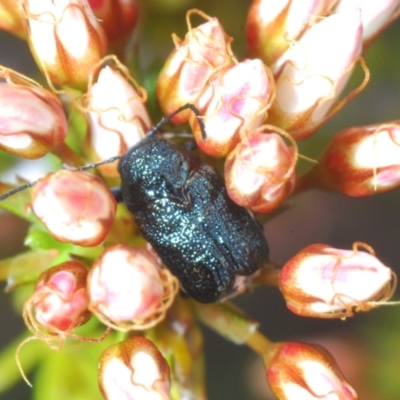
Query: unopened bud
300, 371
60, 301
232, 106
32, 120
312, 73
75, 206
205, 50
259, 172
375, 15
10, 18
272, 25
128, 290
324, 282
361, 161
117, 116
134, 370
65, 38
117, 18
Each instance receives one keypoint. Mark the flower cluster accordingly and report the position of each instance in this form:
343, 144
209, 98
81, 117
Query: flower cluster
87, 260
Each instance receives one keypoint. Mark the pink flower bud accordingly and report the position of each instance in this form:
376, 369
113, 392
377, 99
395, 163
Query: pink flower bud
65, 38
324, 282
117, 17
375, 15
233, 104
117, 116
10, 18
272, 25
75, 206
312, 73
205, 50
134, 370
128, 290
32, 120
300, 371
361, 161
60, 301
259, 172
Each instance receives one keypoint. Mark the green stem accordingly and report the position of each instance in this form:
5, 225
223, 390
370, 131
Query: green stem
227, 320
305, 182
230, 322
260, 344
67, 155
267, 277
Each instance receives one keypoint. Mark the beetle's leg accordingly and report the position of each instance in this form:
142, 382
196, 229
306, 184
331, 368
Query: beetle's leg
260, 224
190, 145
117, 193
168, 118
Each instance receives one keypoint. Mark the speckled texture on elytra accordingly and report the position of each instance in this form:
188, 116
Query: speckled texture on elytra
181, 207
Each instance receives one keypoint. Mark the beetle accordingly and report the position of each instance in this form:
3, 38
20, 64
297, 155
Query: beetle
181, 207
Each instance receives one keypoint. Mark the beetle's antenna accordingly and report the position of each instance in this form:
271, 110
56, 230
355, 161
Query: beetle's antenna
151, 132
30, 184
18, 189
94, 165
168, 118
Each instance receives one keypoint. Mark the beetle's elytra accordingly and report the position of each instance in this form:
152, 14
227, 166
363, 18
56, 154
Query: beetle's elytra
182, 209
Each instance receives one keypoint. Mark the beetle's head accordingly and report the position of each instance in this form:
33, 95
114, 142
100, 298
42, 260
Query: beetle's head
151, 170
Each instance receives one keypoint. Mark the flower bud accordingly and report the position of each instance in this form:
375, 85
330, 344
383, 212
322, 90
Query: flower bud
60, 301
375, 15
312, 73
128, 290
205, 50
134, 370
117, 117
259, 172
65, 38
32, 120
324, 282
361, 161
233, 104
272, 25
117, 17
10, 18
300, 371
75, 206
